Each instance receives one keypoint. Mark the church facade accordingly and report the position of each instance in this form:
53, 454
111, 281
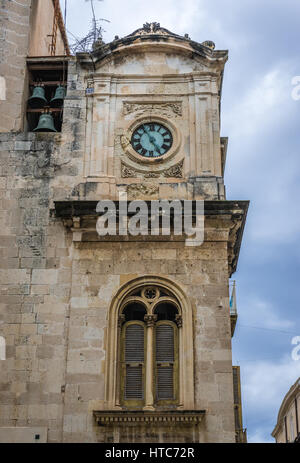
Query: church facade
116, 337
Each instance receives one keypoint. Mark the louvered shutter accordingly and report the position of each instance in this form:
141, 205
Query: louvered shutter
134, 361
236, 397
237, 402
165, 360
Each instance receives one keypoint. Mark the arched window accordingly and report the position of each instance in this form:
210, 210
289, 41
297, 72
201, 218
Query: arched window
149, 354
149, 347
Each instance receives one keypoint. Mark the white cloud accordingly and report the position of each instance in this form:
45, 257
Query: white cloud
202, 21
263, 158
276, 213
265, 102
268, 316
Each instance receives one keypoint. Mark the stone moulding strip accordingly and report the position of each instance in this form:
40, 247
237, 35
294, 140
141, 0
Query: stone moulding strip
160, 418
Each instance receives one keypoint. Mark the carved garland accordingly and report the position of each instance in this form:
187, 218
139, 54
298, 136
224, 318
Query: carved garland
127, 172
166, 108
175, 171
137, 189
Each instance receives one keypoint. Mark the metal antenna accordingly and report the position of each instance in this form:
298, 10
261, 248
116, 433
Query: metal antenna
85, 44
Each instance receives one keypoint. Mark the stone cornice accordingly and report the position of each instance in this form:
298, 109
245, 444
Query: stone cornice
158, 418
218, 57
80, 216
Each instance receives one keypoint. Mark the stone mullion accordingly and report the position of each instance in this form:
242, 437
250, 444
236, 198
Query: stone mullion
149, 397
121, 320
181, 359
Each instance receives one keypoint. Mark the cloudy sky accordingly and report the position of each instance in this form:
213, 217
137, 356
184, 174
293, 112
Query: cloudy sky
262, 121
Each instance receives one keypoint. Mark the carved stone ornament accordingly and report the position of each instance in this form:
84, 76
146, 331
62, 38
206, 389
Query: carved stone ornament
178, 320
124, 141
164, 108
209, 44
127, 172
151, 175
175, 171
150, 293
136, 190
150, 320
151, 27
153, 418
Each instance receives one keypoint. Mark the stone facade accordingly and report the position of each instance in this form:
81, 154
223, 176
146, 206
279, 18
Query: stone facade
287, 428
60, 281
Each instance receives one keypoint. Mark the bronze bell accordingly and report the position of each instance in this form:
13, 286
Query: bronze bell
38, 100
58, 99
46, 124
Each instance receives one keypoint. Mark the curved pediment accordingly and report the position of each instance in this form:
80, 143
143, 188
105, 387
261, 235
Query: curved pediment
154, 50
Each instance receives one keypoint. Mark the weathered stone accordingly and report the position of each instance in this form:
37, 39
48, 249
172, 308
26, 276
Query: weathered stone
59, 280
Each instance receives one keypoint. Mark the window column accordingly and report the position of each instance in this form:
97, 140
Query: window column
149, 399
121, 320
178, 321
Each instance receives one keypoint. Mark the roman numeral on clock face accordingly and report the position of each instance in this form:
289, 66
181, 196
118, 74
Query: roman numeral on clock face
151, 139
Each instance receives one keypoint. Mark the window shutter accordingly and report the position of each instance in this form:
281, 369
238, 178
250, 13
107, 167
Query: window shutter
235, 385
134, 360
237, 404
165, 362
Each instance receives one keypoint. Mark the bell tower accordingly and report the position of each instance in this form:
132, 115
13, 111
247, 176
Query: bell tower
153, 134
154, 115
117, 336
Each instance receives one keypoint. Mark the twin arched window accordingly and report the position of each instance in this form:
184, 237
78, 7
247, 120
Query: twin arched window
149, 350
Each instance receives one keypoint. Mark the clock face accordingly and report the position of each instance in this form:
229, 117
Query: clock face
151, 140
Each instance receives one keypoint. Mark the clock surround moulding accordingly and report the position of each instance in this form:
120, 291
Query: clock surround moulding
139, 159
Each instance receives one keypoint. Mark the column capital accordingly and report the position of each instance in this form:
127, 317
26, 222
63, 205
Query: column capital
121, 320
150, 320
178, 320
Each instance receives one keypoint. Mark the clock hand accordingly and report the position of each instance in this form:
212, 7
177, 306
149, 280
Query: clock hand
153, 141
146, 132
151, 138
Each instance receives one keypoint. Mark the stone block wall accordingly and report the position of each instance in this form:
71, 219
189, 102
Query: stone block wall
14, 40
33, 253
35, 270
98, 270
55, 296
